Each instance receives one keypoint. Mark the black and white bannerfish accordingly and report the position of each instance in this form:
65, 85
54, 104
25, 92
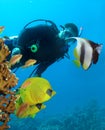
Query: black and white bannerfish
86, 52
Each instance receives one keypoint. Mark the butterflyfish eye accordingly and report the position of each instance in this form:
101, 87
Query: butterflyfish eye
34, 48
49, 92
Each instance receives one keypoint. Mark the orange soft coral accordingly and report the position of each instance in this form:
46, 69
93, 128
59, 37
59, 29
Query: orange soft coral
4, 51
7, 81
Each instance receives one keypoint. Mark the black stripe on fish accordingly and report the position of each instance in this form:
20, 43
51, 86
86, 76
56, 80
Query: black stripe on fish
39, 105
95, 56
49, 92
82, 54
93, 44
95, 51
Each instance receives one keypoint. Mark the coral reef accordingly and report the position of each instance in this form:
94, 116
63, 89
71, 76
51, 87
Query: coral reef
86, 118
89, 117
7, 81
51, 124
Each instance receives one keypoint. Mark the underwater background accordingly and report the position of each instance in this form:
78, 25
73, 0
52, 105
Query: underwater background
80, 100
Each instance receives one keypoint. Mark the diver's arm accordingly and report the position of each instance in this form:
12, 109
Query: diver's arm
13, 37
5, 38
11, 42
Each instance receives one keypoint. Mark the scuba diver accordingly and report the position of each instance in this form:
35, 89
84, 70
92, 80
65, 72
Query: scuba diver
44, 42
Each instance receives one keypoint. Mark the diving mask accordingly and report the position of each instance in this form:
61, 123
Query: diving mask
69, 30
65, 34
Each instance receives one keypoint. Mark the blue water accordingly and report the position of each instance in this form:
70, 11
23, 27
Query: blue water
74, 86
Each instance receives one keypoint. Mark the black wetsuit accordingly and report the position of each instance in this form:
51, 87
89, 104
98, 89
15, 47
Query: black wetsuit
50, 46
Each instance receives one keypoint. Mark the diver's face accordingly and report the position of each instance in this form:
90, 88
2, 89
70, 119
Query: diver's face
65, 34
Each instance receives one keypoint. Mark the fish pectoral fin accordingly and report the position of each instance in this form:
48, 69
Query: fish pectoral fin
32, 115
76, 54
77, 63
22, 109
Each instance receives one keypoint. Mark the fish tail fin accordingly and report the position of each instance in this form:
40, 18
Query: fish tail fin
96, 53
99, 48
